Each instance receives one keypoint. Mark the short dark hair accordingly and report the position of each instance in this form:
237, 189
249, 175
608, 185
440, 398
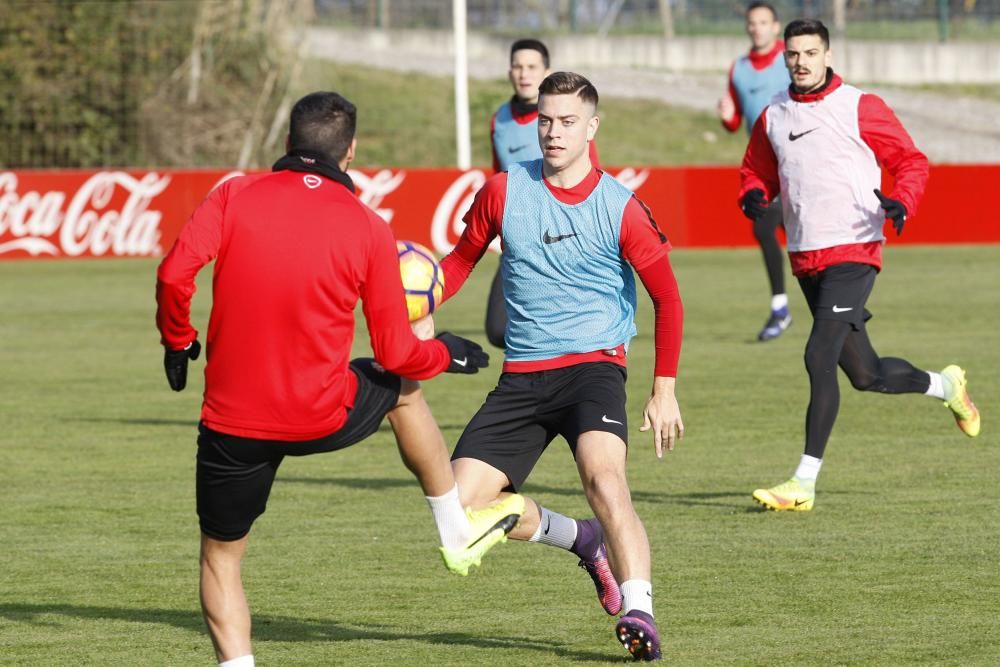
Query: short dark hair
532, 45
800, 27
568, 83
323, 123
759, 4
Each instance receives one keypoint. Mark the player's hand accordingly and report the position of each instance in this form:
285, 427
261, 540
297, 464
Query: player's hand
754, 204
662, 415
466, 356
894, 210
175, 363
424, 327
726, 108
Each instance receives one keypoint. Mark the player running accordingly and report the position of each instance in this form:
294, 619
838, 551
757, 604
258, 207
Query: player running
513, 139
821, 145
294, 250
753, 80
569, 233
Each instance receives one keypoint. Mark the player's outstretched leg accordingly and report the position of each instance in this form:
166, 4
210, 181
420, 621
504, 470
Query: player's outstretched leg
889, 375
465, 536
489, 527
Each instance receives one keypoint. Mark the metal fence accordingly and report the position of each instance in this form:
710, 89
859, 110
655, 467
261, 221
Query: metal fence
208, 82
913, 19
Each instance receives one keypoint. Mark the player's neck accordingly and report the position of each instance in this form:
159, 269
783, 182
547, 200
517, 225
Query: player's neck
764, 50
569, 175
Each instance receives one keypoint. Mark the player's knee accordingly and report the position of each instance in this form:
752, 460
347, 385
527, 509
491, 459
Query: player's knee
608, 487
818, 358
863, 381
867, 381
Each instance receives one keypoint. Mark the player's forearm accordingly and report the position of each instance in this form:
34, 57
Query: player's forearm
173, 315
397, 349
661, 284
458, 264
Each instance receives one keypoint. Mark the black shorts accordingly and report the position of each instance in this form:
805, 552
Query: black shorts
527, 411
234, 475
840, 293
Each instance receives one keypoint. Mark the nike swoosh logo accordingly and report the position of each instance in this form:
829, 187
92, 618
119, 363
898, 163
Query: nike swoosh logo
838, 309
461, 362
505, 524
801, 502
754, 91
605, 419
514, 149
792, 136
548, 238
548, 524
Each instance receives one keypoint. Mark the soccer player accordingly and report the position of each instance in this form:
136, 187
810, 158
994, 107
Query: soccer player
753, 80
569, 233
821, 145
513, 139
294, 250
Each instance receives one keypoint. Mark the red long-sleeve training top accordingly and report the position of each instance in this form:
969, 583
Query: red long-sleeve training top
293, 254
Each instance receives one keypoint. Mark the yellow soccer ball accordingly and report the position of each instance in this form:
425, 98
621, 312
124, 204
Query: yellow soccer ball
423, 281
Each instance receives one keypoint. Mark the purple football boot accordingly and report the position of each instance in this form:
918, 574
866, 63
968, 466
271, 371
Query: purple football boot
637, 632
589, 546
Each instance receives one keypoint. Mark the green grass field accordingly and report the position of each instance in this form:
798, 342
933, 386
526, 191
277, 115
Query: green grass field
896, 565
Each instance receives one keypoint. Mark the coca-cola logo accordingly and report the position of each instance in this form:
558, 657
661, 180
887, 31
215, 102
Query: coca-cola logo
447, 222
45, 224
373, 189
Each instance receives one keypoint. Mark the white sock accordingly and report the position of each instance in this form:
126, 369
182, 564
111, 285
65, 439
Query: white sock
779, 301
808, 469
637, 594
940, 386
452, 523
242, 661
555, 529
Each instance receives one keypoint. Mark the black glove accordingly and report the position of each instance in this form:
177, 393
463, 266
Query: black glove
466, 356
175, 362
754, 205
894, 209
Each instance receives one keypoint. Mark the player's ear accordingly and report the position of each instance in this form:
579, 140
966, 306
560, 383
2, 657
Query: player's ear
349, 155
592, 126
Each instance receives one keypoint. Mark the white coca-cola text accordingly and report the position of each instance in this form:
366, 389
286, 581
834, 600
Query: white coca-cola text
40, 223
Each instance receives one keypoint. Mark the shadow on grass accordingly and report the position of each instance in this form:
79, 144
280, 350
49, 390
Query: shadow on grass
708, 498
288, 629
192, 423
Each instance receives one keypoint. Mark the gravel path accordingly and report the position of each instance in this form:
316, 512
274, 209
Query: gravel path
948, 129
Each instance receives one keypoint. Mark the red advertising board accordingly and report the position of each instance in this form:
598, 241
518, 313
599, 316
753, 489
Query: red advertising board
137, 213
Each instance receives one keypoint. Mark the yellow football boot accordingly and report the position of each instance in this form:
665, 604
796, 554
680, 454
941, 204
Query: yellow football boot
791, 495
490, 526
958, 401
